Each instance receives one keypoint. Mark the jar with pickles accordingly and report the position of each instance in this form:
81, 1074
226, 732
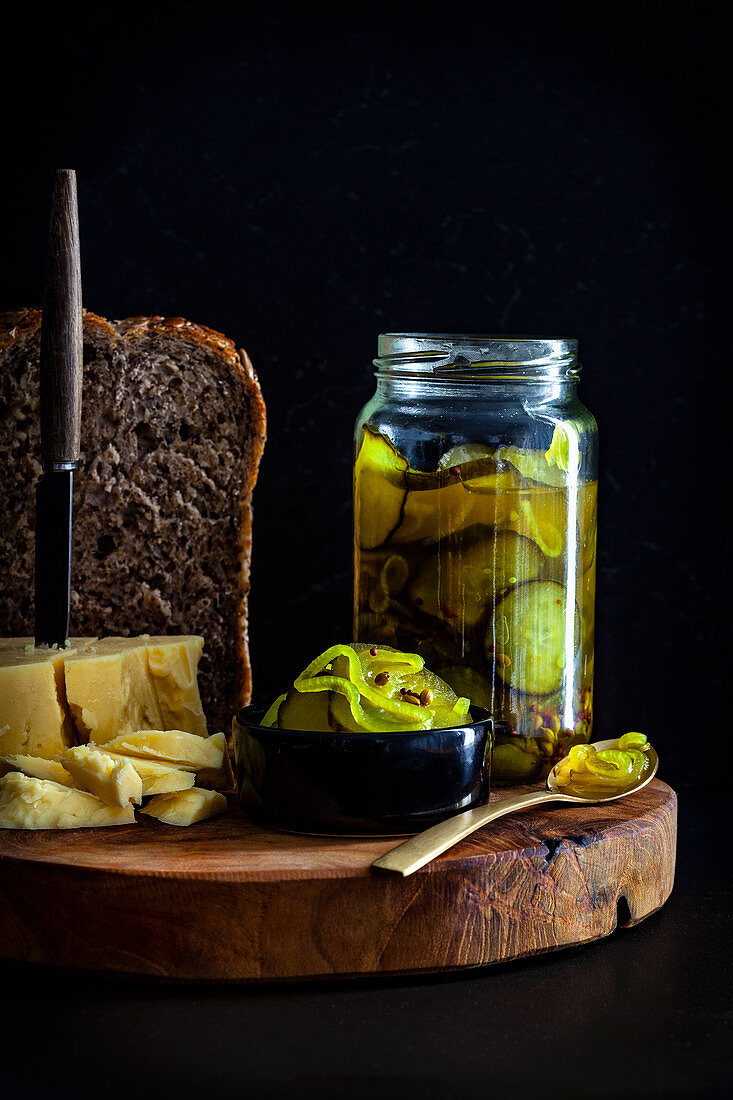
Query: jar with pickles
475, 484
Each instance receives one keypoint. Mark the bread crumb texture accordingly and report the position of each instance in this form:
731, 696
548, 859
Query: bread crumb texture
173, 428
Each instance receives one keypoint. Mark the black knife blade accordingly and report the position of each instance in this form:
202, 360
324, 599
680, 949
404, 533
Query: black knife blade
54, 494
60, 380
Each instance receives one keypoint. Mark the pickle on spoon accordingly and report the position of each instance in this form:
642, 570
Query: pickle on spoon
598, 773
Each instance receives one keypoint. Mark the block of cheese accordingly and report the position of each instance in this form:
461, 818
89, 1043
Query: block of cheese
114, 782
109, 690
185, 807
173, 665
174, 747
38, 767
34, 720
118, 685
208, 757
157, 778
29, 803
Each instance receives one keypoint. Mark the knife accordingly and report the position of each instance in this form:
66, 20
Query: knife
60, 382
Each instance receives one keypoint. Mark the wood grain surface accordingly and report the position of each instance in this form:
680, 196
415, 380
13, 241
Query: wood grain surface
225, 900
61, 330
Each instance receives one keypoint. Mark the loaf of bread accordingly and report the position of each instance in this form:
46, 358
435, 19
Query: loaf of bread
173, 427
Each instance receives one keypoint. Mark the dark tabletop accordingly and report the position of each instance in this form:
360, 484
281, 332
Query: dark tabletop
643, 1013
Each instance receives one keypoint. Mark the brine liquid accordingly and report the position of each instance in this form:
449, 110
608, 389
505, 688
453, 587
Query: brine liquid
490, 575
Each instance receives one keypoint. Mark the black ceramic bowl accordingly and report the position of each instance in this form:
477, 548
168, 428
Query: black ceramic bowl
360, 783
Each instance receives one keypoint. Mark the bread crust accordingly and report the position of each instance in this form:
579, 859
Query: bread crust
23, 326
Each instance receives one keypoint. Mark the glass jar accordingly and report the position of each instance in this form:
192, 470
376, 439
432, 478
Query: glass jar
475, 484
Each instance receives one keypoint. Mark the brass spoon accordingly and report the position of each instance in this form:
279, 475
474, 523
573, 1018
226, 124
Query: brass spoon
421, 848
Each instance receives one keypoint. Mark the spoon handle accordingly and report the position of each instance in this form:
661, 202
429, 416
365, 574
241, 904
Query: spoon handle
421, 848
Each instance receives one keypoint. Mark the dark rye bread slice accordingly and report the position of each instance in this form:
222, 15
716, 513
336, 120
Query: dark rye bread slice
173, 427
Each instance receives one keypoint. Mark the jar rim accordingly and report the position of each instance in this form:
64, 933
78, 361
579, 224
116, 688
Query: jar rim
441, 354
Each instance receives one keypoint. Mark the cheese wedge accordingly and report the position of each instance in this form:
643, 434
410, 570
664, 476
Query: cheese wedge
173, 666
114, 782
174, 747
208, 757
186, 807
95, 689
119, 685
157, 778
37, 767
34, 718
109, 690
29, 803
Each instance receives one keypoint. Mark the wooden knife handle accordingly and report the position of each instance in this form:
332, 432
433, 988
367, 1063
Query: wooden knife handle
61, 329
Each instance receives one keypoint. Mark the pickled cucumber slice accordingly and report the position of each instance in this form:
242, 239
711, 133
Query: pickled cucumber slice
304, 711
420, 481
270, 718
528, 632
466, 681
515, 761
564, 450
596, 773
542, 517
450, 499
458, 585
535, 466
429, 514
343, 716
390, 582
462, 453
379, 489
446, 705
424, 591
375, 657
439, 509
513, 559
558, 466
587, 522
494, 489
490, 476
370, 688
387, 675
364, 715
339, 670
394, 574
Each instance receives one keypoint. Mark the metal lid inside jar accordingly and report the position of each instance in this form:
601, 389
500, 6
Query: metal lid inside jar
437, 355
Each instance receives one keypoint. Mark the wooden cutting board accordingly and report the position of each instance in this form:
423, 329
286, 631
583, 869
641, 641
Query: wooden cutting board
224, 900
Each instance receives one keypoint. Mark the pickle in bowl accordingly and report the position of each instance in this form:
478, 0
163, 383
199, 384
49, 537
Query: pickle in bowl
367, 740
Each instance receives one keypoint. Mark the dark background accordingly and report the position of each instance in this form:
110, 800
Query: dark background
305, 178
